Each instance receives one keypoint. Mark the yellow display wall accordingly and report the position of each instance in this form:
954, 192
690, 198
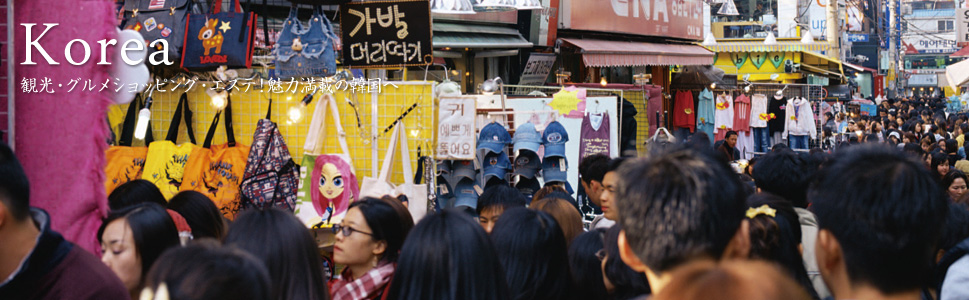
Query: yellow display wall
724, 62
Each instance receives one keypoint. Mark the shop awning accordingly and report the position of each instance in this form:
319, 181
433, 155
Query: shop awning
758, 46
964, 52
957, 74
822, 65
477, 36
600, 53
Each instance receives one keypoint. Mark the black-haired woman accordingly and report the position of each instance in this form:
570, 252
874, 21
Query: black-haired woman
132, 238
533, 251
200, 213
368, 242
585, 262
775, 236
621, 281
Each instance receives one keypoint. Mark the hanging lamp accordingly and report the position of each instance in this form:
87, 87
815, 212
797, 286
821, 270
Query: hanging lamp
728, 8
452, 7
807, 37
709, 40
771, 39
493, 5
528, 4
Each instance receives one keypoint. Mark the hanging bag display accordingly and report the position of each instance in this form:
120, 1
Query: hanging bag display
124, 162
306, 51
219, 38
160, 20
380, 186
271, 177
329, 181
165, 162
216, 171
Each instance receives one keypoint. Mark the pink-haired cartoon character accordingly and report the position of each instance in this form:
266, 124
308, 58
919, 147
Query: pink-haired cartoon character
334, 184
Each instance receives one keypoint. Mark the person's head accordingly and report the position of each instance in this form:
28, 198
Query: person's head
494, 201
134, 192
951, 146
775, 236
282, 242
370, 235
586, 268
954, 183
621, 281
546, 190
568, 218
406, 219
447, 256
940, 165
533, 252
881, 232
200, 213
786, 174
591, 170
730, 139
609, 182
203, 270
14, 190
828, 116
678, 206
132, 238
909, 137
753, 280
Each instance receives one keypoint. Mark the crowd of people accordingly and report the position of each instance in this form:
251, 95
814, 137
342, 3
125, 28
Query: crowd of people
883, 216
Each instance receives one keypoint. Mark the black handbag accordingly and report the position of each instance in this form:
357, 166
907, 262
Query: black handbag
160, 20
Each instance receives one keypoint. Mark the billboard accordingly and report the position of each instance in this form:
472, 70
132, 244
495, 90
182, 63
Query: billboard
666, 18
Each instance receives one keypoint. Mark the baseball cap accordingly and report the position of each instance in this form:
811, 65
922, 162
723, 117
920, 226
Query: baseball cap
463, 169
496, 165
527, 138
528, 186
493, 138
464, 193
527, 164
445, 194
555, 169
554, 139
444, 167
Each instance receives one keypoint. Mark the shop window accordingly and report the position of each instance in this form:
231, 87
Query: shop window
756, 18
945, 25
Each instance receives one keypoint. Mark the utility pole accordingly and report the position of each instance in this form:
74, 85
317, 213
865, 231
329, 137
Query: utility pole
834, 30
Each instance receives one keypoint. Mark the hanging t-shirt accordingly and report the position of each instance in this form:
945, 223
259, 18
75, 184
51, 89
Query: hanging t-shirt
684, 115
758, 111
705, 113
778, 107
724, 118
654, 108
595, 135
741, 113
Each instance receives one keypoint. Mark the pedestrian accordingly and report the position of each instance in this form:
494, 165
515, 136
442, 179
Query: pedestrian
368, 243
533, 252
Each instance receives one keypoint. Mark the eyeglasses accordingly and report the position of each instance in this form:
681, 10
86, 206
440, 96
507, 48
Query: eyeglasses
601, 254
347, 230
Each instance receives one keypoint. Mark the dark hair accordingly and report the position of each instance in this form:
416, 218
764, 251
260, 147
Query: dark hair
951, 177
448, 256
775, 238
677, 205
956, 228
152, 229
887, 187
615, 163
586, 269
200, 213
202, 270
593, 167
729, 134
134, 192
14, 186
284, 244
913, 149
871, 138
779, 147
385, 224
548, 190
786, 174
502, 196
749, 280
627, 281
938, 158
533, 251
951, 146
406, 220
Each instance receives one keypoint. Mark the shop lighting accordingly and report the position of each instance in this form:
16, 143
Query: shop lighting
709, 40
713, 85
603, 82
218, 99
527, 4
770, 40
455, 7
491, 85
296, 112
747, 89
493, 5
807, 37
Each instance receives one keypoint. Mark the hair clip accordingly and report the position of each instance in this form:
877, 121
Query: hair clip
763, 209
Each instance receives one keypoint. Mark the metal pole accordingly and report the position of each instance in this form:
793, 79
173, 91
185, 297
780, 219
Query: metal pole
834, 29
11, 62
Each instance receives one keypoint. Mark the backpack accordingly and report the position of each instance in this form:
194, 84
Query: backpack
271, 178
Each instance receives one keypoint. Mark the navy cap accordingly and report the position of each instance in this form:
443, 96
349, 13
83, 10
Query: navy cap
496, 164
527, 164
555, 169
493, 138
445, 194
528, 186
527, 138
463, 169
465, 195
554, 139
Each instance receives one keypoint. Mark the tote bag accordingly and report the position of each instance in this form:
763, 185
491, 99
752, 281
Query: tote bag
306, 51
380, 186
216, 171
219, 38
160, 20
329, 182
124, 162
165, 162
271, 178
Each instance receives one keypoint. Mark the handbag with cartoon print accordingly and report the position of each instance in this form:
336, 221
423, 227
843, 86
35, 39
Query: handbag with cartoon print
165, 161
219, 39
306, 51
160, 20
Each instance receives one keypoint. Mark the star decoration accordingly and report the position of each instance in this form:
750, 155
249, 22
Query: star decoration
225, 26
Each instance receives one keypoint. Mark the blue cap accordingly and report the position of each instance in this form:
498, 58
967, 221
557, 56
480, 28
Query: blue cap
554, 139
462, 169
527, 164
444, 167
465, 195
445, 194
555, 170
528, 186
527, 138
496, 164
494, 138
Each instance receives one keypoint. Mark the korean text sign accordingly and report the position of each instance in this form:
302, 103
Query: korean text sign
456, 131
386, 34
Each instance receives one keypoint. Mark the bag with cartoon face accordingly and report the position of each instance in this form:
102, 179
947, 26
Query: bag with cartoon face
328, 182
165, 162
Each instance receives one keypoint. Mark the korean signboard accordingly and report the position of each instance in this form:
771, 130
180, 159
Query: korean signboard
386, 34
962, 25
937, 43
456, 131
667, 18
923, 80
537, 69
858, 37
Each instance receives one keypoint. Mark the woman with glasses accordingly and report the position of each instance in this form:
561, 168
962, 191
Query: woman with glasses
368, 242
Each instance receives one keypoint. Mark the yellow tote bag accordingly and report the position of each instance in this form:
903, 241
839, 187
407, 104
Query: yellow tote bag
124, 162
165, 163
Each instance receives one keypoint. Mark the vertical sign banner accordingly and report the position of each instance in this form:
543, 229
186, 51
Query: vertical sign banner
962, 25
819, 18
455, 131
386, 34
537, 69
855, 18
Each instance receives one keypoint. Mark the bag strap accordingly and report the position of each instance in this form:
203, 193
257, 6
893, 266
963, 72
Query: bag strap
265, 22
217, 7
389, 156
229, 132
269, 111
405, 154
314, 137
326, 24
177, 119
128, 126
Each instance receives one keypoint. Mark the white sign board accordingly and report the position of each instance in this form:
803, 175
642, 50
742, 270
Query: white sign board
923, 80
537, 69
819, 18
939, 43
456, 132
962, 25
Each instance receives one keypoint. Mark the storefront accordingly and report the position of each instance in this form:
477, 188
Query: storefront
786, 62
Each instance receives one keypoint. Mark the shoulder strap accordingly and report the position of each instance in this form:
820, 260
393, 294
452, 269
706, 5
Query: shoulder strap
269, 111
128, 126
177, 119
229, 132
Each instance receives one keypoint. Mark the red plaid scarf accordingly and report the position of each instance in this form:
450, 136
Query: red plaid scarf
364, 287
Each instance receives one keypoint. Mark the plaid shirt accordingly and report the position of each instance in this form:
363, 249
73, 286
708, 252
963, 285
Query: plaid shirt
365, 287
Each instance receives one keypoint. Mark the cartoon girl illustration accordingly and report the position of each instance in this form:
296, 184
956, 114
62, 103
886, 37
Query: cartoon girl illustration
334, 184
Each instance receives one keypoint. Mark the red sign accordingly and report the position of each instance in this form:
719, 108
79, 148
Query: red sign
665, 18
